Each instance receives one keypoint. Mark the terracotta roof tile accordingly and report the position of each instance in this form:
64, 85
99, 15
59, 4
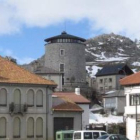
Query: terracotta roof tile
131, 80
12, 73
73, 97
68, 106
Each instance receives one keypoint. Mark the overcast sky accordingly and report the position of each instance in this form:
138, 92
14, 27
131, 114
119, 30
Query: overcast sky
24, 24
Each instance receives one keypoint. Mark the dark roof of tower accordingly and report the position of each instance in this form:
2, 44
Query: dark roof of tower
115, 69
64, 35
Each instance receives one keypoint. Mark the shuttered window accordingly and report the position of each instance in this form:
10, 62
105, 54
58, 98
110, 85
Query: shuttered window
16, 128
2, 127
17, 96
30, 128
30, 98
3, 97
39, 98
39, 128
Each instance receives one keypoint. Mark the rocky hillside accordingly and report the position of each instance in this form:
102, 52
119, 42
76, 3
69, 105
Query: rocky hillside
112, 48
106, 48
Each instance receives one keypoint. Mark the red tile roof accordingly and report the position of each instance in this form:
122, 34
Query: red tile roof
131, 80
67, 106
12, 73
73, 97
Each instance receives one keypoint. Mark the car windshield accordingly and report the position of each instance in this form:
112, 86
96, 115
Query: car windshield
103, 137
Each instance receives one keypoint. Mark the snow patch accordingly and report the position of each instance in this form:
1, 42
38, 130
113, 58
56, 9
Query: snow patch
114, 59
98, 118
92, 70
136, 63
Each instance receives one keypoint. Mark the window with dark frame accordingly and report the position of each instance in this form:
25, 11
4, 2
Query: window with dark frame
62, 52
87, 135
61, 68
133, 99
110, 80
101, 81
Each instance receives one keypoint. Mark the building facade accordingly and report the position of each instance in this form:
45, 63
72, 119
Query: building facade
114, 102
132, 108
66, 53
25, 104
108, 77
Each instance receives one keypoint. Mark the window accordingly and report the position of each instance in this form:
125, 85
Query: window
58, 136
101, 81
39, 98
110, 102
114, 137
62, 52
133, 99
67, 136
61, 68
87, 135
17, 96
95, 135
39, 128
30, 128
110, 80
2, 127
3, 97
77, 135
16, 128
103, 133
30, 98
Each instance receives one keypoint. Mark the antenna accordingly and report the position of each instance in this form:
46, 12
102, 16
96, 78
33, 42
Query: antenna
65, 26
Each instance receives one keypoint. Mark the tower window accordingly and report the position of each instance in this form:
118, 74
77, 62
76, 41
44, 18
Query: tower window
61, 68
62, 52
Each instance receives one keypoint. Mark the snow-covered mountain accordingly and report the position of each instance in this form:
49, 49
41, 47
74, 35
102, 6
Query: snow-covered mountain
112, 48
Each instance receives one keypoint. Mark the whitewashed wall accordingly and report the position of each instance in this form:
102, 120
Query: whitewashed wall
85, 115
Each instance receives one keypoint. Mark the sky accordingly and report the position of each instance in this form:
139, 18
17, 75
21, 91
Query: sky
24, 24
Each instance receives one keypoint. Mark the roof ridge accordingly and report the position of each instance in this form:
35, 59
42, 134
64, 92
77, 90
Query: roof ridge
12, 64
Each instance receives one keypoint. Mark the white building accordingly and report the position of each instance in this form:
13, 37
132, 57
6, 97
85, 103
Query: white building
132, 109
25, 104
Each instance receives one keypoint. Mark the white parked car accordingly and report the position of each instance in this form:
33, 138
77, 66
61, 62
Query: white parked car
88, 134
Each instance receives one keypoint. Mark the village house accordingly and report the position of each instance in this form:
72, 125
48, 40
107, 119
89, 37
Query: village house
132, 109
25, 104
114, 102
108, 77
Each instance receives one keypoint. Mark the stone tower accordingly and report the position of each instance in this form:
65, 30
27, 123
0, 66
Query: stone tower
66, 53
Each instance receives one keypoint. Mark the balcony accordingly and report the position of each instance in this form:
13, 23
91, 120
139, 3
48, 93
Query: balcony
17, 108
132, 110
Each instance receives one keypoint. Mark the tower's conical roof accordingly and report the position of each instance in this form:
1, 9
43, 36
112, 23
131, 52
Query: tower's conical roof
64, 35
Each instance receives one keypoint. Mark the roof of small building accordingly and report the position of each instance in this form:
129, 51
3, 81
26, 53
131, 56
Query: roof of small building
133, 79
67, 105
115, 93
12, 73
115, 69
64, 35
79, 99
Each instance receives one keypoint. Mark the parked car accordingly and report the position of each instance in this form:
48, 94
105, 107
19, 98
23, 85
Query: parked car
64, 135
112, 137
88, 134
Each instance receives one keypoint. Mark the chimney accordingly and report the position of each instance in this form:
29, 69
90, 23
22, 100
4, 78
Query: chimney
77, 91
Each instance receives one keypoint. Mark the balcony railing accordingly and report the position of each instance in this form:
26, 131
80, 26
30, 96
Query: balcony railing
17, 108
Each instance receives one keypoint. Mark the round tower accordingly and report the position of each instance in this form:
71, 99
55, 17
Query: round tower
66, 53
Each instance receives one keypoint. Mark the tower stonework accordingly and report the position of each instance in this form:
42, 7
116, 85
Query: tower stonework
66, 53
